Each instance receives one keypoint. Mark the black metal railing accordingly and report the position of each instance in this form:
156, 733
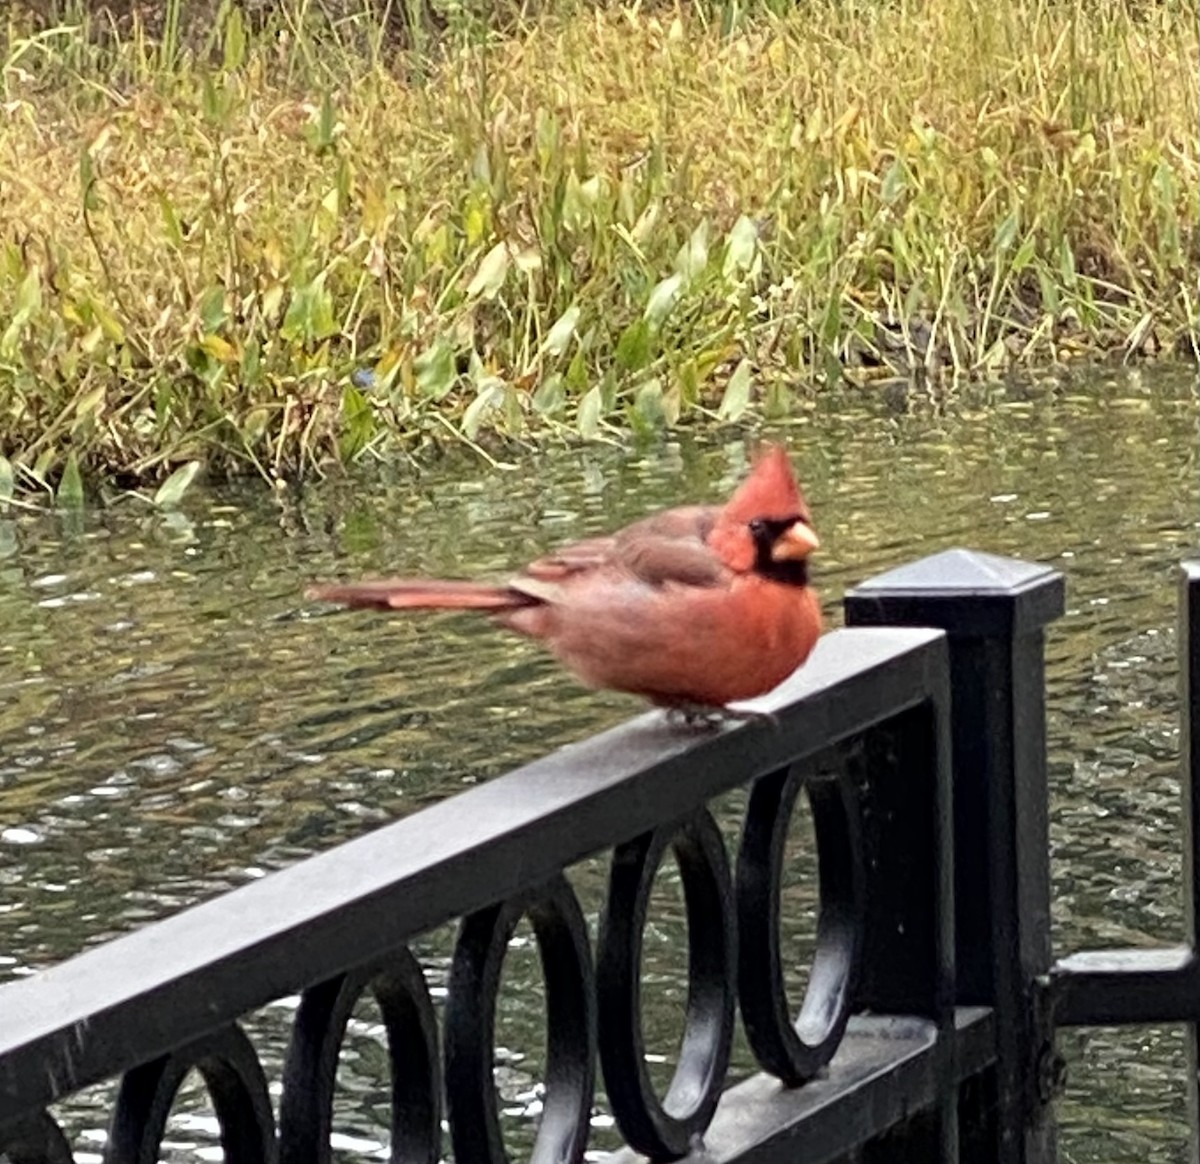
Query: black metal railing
926, 1033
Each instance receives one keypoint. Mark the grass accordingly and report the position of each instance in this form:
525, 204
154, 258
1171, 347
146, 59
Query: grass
304, 244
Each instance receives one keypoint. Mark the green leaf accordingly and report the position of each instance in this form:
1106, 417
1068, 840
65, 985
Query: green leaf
90, 404
831, 322
234, 38
687, 382
254, 424
662, 299
481, 165
171, 225
577, 370
514, 413
171, 491
1050, 301
358, 423
560, 334
489, 278
737, 394
326, 123
87, 181
778, 400
477, 217
1066, 263
212, 309
672, 404
587, 420
633, 348
1024, 255
29, 294
895, 182
70, 486
740, 246
309, 315
436, 370
29, 302
251, 361
109, 323
575, 211
648, 409
693, 255
213, 101
1006, 232
490, 398
7, 480
550, 395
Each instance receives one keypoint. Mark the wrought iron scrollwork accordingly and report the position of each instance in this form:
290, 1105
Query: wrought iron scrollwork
306, 1110
562, 939
876, 702
233, 1075
795, 1051
664, 1129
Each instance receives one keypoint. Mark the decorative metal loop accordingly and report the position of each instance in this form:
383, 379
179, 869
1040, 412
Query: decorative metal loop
35, 1139
665, 1129
234, 1078
562, 939
309, 1075
795, 1052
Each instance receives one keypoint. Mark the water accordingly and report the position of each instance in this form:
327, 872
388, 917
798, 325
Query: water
175, 719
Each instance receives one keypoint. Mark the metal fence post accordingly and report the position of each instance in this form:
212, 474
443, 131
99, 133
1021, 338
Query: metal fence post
994, 611
1189, 715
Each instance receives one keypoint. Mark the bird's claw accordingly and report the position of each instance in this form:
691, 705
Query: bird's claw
703, 715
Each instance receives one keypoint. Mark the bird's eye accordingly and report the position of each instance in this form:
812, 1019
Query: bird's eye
758, 527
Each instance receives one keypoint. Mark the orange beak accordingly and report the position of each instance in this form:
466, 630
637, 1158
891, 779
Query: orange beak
795, 543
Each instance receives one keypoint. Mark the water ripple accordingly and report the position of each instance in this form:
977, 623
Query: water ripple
175, 718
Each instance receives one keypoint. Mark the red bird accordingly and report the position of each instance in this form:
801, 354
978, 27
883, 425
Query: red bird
694, 607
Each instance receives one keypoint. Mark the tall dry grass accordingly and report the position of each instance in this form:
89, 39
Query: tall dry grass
302, 243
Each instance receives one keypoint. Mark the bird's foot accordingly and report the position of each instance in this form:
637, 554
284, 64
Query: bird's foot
695, 715
710, 717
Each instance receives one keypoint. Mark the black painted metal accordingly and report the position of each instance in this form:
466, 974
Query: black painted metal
908, 959
666, 1129
562, 940
796, 1051
1096, 987
1189, 714
37, 1139
927, 1029
994, 611
140, 996
306, 1109
234, 1078
1111, 987
887, 1070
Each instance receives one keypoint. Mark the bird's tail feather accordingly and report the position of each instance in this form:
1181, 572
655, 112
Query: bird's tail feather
422, 594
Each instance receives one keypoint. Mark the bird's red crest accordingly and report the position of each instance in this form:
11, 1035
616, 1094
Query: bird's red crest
770, 491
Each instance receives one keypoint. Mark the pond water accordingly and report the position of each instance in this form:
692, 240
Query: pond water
175, 719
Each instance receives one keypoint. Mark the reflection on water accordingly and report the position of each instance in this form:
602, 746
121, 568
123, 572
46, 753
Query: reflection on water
175, 719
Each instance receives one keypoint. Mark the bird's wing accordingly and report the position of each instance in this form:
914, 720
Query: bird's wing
573, 558
668, 547
672, 561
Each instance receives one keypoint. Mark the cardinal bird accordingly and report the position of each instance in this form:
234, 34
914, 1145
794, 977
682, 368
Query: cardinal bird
691, 608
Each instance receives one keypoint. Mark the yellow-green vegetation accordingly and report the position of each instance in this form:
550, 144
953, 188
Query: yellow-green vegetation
297, 244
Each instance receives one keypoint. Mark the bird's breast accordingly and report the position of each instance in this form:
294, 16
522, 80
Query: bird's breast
674, 643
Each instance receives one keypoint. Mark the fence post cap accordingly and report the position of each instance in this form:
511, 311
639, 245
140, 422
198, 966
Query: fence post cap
965, 592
